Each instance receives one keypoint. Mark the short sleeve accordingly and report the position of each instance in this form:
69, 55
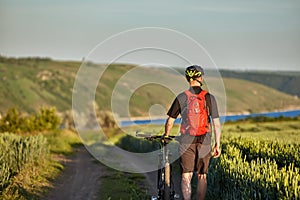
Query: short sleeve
212, 105
176, 106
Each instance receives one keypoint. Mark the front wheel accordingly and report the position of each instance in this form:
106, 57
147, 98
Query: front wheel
167, 193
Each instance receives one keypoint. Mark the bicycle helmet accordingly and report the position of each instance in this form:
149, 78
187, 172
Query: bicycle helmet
193, 72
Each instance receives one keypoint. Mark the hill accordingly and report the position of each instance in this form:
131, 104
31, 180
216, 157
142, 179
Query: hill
32, 82
284, 81
287, 82
250, 97
28, 83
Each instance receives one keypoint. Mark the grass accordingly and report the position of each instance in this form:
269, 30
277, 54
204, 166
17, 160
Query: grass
259, 141
121, 185
253, 97
63, 142
286, 131
31, 83
117, 184
34, 180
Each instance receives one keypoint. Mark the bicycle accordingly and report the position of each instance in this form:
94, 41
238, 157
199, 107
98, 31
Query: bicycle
165, 185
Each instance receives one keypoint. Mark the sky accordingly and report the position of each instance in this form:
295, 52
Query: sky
237, 34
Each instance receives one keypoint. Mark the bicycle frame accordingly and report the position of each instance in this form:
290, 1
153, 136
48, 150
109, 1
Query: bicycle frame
165, 186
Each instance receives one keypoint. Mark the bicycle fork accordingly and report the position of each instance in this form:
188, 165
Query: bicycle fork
164, 180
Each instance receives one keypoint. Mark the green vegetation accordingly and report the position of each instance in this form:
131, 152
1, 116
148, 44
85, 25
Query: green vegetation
254, 98
283, 81
28, 151
28, 163
260, 160
44, 120
121, 185
117, 184
17, 152
30, 83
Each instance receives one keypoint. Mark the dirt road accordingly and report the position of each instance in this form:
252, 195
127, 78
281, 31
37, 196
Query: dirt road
80, 179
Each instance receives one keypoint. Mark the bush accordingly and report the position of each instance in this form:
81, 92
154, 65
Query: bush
136, 145
46, 119
14, 122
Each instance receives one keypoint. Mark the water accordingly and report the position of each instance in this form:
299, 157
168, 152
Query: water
293, 113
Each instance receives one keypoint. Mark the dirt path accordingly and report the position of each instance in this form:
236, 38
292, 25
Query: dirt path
80, 179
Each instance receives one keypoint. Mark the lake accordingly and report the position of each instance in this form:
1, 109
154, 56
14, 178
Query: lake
292, 113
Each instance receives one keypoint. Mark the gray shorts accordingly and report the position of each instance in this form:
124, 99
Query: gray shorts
195, 153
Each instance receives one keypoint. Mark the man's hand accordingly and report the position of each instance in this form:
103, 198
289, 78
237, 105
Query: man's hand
165, 138
216, 152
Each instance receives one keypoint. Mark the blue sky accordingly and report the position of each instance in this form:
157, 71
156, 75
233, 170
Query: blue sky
238, 34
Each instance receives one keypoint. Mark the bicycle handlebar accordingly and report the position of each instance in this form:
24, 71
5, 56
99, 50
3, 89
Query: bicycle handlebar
152, 137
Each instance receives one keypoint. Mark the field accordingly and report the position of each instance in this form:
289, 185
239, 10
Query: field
259, 161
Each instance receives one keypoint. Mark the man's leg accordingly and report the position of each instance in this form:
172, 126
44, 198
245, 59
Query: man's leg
201, 188
186, 185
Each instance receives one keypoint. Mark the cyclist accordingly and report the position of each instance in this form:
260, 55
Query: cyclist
198, 109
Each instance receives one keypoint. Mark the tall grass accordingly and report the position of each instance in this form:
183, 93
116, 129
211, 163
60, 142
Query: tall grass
28, 165
258, 161
17, 152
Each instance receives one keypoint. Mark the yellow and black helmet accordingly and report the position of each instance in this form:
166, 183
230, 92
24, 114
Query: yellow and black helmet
193, 72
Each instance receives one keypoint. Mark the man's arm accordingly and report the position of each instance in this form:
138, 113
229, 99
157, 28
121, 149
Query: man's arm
168, 126
217, 132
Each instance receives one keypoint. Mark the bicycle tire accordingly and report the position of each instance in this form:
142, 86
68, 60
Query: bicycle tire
167, 193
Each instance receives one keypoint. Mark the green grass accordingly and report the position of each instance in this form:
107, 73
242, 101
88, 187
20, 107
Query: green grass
285, 131
63, 142
33, 181
123, 186
32, 82
249, 148
253, 133
253, 97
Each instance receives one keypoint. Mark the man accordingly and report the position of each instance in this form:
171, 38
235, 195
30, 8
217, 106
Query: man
198, 110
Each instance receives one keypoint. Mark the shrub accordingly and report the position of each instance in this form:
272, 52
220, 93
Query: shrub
46, 119
14, 122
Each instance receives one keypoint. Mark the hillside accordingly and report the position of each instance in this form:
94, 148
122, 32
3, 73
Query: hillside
246, 96
32, 82
287, 82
